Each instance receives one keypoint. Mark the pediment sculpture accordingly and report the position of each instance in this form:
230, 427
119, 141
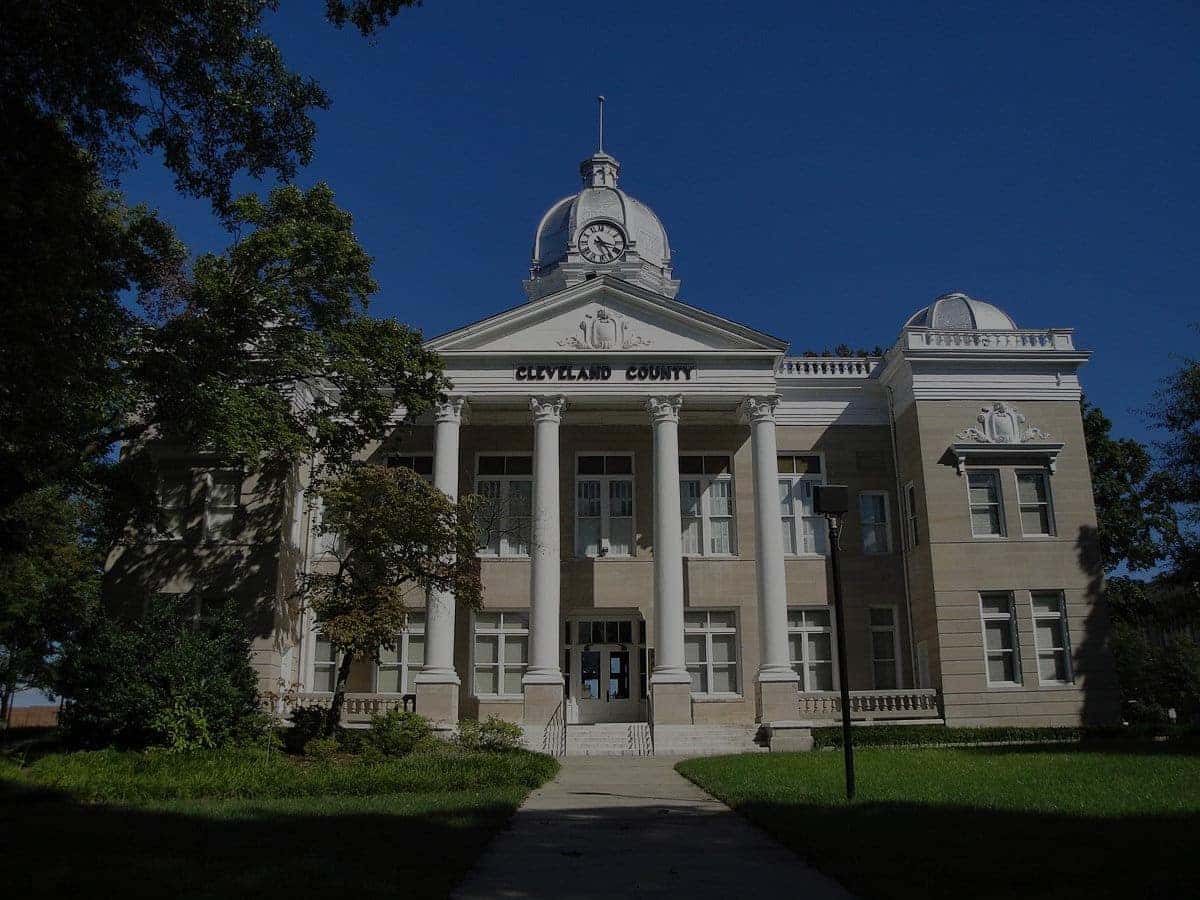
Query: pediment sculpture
604, 330
1001, 424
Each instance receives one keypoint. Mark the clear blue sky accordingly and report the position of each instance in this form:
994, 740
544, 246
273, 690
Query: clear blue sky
822, 171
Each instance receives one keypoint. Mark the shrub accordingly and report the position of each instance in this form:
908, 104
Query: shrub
308, 722
161, 680
396, 733
321, 748
492, 734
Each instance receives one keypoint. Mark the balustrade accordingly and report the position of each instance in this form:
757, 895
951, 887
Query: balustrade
898, 704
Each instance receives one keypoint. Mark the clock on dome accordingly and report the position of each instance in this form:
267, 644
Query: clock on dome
602, 242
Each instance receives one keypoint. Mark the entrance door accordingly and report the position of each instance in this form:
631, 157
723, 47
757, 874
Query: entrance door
606, 669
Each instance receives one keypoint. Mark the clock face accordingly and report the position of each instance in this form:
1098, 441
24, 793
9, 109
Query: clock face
602, 242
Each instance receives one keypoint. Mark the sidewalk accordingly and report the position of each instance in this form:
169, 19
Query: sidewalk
620, 827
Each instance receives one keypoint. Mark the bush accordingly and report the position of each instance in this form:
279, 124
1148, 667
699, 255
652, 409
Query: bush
161, 680
396, 733
492, 734
308, 722
322, 748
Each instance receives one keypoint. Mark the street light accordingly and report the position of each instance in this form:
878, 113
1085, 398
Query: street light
833, 501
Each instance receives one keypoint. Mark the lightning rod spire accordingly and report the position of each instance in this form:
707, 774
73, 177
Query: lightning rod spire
600, 100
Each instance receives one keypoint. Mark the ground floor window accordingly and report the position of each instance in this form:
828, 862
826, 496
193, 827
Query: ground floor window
325, 660
397, 668
1000, 638
1050, 638
885, 662
501, 653
810, 645
710, 650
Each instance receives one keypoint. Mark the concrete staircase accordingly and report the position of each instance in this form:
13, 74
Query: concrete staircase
609, 739
635, 739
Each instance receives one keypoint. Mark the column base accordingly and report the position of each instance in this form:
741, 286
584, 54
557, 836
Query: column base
789, 737
672, 702
437, 701
778, 701
543, 702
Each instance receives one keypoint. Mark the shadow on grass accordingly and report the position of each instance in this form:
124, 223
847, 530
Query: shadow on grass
903, 850
55, 846
1177, 747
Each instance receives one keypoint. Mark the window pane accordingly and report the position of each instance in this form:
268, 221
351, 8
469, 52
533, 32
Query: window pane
716, 465
691, 465
618, 465
1035, 521
389, 657
1049, 634
994, 603
720, 498
787, 465
388, 681
512, 680
786, 502
174, 492
985, 521
520, 498
1053, 666
423, 465
874, 539
723, 618
725, 679
721, 538
591, 465
885, 676
788, 527
795, 618
620, 537
324, 678
516, 650
491, 465
620, 498
817, 618
693, 648
694, 619
324, 649
998, 635
221, 524
625, 631
486, 680
1047, 603
589, 537
796, 647
724, 648
982, 487
689, 497
691, 536
882, 616
1000, 667
1031, 487
487, 620
883, 645
870, 508
225, 490
821, 677
515, 621
487, 649
611, 632
819, 646
518, 465
587, 499
808, 465
699, 679
416, 650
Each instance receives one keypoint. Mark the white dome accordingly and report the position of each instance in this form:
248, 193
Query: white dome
557, 262
957, 310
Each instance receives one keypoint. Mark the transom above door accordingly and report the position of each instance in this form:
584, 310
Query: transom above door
605, 662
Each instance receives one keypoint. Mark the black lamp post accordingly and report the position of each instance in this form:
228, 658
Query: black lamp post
833, 502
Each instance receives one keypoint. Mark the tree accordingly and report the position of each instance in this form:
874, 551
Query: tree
1135, 522
1177, 413
396, 534
49, 583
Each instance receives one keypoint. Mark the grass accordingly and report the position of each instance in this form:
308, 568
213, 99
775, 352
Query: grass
231, 824
984, 822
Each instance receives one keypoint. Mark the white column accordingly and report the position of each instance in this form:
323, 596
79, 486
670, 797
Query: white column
545, 551
439, 605
669, 666
774, 665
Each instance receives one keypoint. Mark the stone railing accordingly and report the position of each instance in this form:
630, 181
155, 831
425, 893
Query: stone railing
898, 704
970, 339
357, 707
828, 367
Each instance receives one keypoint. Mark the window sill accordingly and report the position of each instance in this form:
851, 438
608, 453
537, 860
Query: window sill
717, 698
502, 558
989, 537
500, 698
607, 557
711, 556
1056, 685
1039, 537
804, 556
1005, 686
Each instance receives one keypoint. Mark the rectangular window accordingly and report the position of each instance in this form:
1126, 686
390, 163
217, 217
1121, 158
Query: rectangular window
222, 499
710, 650
325, 663
501, 653
803, 530
396, 669
911, 531
873, 522
506, 485
1050, 638
706, 502
1000, 638
422, 464
984, 498
604, 505
885, 662
810, 645
174, 497
1033, 496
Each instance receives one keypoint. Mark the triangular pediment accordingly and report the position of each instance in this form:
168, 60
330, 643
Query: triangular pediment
606, 315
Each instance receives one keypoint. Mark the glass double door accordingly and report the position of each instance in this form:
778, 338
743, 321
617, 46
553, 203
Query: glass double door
605, 665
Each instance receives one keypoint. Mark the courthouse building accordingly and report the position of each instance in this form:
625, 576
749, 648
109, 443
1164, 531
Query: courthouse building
661, 577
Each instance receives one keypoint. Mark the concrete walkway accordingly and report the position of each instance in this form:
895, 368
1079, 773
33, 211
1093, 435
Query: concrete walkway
619, 827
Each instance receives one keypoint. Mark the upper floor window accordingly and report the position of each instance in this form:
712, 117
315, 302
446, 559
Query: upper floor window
1000, 638
506, 484
174, 497
710, 650
604, 505
421, 463
1050, 637
984, 499
1033, 496
810, 645
885, 644
501, 653
874, 522
397, 668
803, 530
911, 532
706, 502
222, 500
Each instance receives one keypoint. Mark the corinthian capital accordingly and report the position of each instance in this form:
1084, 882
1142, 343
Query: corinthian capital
450, 409
664, 409
760, 409
547, 409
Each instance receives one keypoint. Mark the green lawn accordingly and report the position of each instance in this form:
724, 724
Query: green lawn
236, 824
987, 822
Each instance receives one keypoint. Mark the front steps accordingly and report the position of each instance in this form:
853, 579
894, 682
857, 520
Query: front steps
637, 739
